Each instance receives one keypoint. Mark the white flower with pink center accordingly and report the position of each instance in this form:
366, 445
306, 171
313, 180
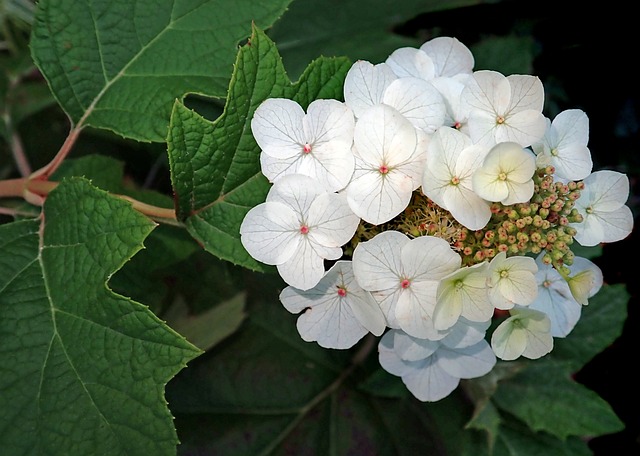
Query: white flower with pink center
298, 226
337, 312
403, 275
390, 155
504, 108
316, 144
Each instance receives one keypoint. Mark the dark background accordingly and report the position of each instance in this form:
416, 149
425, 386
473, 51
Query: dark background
586, 58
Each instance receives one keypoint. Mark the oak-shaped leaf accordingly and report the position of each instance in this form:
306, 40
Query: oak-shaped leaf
215, 165
82, 369
120, 65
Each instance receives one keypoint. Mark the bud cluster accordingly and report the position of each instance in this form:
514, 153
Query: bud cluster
542, 224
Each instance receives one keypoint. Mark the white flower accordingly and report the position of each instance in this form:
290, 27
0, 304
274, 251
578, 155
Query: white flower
450, 57
298, 226
504, 108
365, 84
606, 218
447, 181
585, 280
430, 370
403, 274
408, 62
316, 144
389, 164
465, 333
337, 313
564, 145
441, 56
463, 293
525, 333
419, 101
512, 281
456, 112
506, 175
555, 299
368, 85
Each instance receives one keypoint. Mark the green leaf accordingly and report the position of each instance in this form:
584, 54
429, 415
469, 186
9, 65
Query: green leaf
349, 28
546, 398
120, 65
82, 369
206, 329
102, 171
215, 166
265, 391
517, 440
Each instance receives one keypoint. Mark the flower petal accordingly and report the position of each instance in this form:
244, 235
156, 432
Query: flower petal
270, 232
365, 84
277, 127
411, 62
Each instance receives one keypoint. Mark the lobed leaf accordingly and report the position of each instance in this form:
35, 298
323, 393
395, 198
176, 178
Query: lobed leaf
215, 166
82, 369
119, 65
329, 28
546, 398
267, 392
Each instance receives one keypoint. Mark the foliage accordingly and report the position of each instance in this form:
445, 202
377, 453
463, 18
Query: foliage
118, 287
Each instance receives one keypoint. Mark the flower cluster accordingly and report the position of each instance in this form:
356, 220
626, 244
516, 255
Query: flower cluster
432, 202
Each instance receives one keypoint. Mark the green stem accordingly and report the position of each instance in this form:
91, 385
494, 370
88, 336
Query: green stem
41, 188
357, 359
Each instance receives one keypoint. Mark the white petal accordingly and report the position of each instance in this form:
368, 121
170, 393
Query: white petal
304, 269
411, 62
383, 135
427, 381
330, 220
411, 348
270, 232
464, 292
465, 333
330, 318
617, 224
489, 92
554, 299
377, 198
524, 128
414, 309
449, 55
296, 191
487, 186
418, 101
429, 258
573, 162
277, 127
388, 358
377, 263
469, 362
507, 341
527, 93
467, 207
609, 189
365, 84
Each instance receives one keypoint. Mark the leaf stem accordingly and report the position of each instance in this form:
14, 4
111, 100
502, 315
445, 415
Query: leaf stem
39, 189
358, 358
47, 170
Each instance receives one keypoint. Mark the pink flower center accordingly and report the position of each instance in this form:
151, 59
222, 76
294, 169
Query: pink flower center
306, 149
405, 283
304, 229
383, 169
342, 292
